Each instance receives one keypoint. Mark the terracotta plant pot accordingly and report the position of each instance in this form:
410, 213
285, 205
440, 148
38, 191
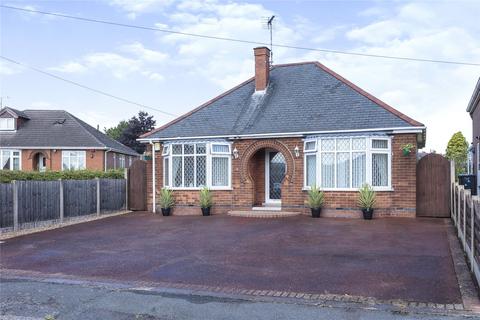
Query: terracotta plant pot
166, 211
206, 211
367, 214
316, 212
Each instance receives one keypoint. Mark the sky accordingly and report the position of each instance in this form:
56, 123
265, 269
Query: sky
176, 73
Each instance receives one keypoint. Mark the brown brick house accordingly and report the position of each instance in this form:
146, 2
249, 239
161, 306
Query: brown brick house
262, 144
56, 140
474, 110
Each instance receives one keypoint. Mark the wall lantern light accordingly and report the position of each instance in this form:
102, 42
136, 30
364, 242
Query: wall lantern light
157, 146
297, 151
235, 153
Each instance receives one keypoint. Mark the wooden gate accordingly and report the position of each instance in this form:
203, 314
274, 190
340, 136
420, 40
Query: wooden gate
433, 186
137, 186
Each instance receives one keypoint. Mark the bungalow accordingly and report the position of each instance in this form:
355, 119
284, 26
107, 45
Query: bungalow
39, 140
474, 110
262, 144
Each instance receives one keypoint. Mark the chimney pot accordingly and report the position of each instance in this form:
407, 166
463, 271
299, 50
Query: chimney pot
262, 67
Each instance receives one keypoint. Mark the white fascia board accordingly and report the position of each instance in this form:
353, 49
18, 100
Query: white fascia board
58, 148
291, 134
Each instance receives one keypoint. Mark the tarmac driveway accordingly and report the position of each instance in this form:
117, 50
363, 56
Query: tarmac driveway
385, 258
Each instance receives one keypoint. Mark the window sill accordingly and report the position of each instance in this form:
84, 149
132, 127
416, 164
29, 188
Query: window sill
198, 189
386, 189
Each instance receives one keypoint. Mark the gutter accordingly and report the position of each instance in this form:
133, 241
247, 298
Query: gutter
290, 134
153, 177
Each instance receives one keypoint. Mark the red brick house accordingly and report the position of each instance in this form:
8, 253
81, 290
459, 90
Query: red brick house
39, 140
262, 144
474, 110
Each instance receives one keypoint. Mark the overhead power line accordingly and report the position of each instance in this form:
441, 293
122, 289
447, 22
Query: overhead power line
87, 87
119, 24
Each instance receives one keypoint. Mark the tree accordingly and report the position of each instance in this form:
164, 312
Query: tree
116, 132
137, 126
457, 150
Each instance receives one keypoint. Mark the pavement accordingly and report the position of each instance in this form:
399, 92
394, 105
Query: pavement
406, 259
34, 300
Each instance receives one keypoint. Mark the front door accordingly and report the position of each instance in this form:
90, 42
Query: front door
275, 169
42, 163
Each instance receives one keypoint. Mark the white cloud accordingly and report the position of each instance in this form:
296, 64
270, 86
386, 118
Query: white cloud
137, 7
7, 68
118, 65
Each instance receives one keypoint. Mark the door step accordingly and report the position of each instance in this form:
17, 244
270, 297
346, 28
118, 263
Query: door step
262, 213
267, 208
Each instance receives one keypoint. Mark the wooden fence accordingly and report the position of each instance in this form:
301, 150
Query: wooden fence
25, 204
465, 213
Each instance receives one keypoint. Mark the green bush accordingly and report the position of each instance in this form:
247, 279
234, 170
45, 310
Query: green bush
7, 176
316, 197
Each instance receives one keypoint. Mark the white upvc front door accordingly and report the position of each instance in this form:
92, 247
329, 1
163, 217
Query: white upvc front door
275, 169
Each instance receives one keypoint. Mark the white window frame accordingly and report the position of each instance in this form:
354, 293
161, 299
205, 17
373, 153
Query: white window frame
11, 158
121, 161
209, 154
369, 151
66, 155
7, 120
310, 150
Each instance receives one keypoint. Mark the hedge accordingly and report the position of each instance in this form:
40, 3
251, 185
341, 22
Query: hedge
7, 176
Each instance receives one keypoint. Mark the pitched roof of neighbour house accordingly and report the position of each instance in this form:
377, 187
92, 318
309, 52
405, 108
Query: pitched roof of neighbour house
300, 98
58, 129
475, 99
13, 112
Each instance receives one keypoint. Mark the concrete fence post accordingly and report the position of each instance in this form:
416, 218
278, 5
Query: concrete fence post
60, 181
472, 232
15, 205
98, 195
464, 219
125, 174
458, 210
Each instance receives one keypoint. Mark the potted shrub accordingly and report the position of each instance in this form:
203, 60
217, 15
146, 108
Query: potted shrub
407, 149
316, 198
206, 201
167, 201
366, 201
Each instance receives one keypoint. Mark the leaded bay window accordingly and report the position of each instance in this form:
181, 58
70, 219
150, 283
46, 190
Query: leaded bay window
346, 163
9, 159
197, 164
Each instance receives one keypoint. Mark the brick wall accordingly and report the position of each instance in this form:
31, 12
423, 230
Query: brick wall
247, 191
94, 159
475, 133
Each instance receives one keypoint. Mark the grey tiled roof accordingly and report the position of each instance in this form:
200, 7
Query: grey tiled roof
60, 129
304, 97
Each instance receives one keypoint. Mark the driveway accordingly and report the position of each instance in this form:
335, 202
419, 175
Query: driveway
391, 258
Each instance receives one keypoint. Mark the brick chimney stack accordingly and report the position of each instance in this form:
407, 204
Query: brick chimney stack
262, 67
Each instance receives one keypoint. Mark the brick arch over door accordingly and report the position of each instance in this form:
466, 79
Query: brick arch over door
35, 152
266, 144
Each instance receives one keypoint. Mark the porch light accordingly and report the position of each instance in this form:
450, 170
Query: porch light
157, 146
297, 151
235, 153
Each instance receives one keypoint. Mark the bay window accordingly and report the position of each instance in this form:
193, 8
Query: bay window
194, 165
9, 159
73, 160
346, 163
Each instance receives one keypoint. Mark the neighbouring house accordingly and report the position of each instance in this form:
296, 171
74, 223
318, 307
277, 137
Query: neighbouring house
474, 110
56, 140
262, 144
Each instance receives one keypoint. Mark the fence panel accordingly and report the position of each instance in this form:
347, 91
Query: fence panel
6, 205
80, 197
38, 201
112, 194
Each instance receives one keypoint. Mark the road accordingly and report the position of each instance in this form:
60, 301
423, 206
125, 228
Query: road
31, 299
